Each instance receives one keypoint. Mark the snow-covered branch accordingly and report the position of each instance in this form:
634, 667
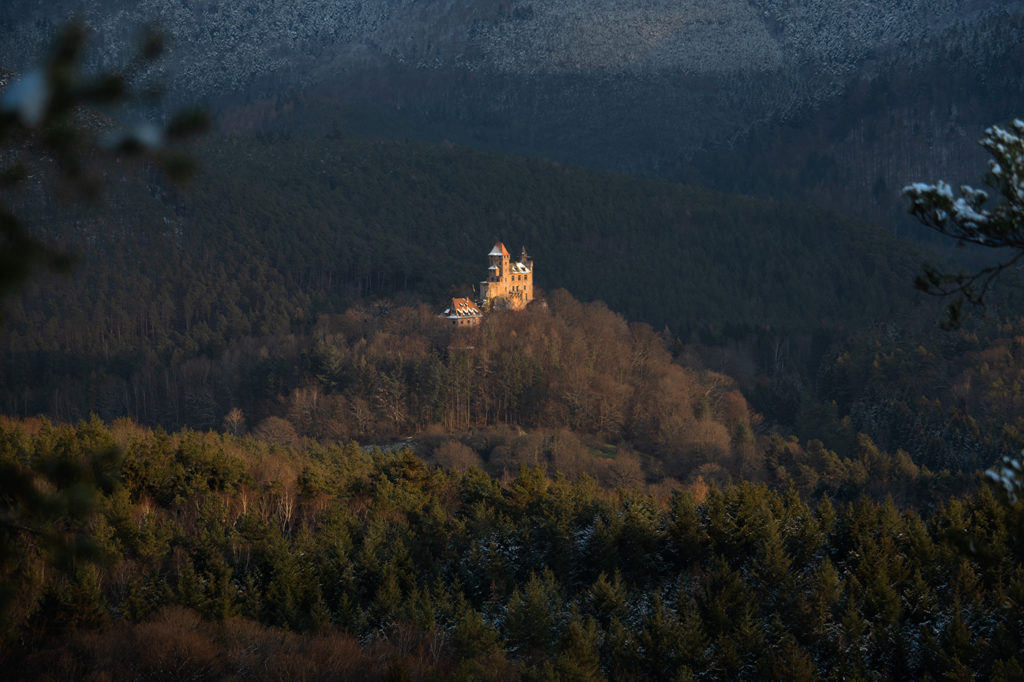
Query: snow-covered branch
971, 218
1010, 476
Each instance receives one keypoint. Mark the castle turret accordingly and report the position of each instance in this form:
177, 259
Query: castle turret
526, 260
499, 261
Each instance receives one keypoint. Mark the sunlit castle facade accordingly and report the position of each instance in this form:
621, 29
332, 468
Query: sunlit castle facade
508, 286
507, 280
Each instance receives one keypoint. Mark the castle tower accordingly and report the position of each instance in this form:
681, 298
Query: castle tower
498, 258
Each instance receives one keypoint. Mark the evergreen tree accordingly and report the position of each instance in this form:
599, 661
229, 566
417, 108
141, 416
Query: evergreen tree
608, 599
579, 652
534, 618
969, 220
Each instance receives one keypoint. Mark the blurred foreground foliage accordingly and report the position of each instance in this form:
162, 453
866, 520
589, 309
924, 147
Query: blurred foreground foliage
54, 133
55, 130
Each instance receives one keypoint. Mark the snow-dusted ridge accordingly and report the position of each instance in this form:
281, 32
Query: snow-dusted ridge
221, 45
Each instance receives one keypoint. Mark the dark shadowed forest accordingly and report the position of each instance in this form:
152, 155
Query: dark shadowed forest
219, 556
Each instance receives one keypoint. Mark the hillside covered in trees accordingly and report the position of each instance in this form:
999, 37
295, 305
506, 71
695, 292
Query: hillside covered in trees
215, 556
338, 219
582, 499
277, 282
273, 235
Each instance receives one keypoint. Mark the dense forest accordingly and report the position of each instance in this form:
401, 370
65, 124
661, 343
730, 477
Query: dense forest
207, 555
268, 294
349, 218
271, 234
572, 497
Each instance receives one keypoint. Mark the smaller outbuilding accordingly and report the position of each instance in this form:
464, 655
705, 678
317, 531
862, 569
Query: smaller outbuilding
462, 312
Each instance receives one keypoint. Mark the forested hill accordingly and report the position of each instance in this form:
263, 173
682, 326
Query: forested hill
218, 557
277, 229
830, 100
377, 217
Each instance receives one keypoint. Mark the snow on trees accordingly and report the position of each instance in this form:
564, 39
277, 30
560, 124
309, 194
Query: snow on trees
972, 218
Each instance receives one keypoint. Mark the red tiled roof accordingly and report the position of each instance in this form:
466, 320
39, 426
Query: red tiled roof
461, 307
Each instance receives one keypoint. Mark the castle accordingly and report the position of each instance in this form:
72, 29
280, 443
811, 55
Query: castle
508, 284
511, 281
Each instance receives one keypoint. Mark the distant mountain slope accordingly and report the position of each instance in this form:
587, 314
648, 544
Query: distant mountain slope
222, 44
345, 218
276, 230
703, 92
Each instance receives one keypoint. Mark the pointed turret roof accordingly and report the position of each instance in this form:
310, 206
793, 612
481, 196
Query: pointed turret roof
498, 250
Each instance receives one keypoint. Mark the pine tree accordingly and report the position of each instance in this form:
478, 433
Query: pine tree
473, 638
579, 656
533, 617
827, 590
787, 660
957, 651
692, 639
685, 529
606, 599
220, 602
319, 612
969, 219
661, 640
190, 591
